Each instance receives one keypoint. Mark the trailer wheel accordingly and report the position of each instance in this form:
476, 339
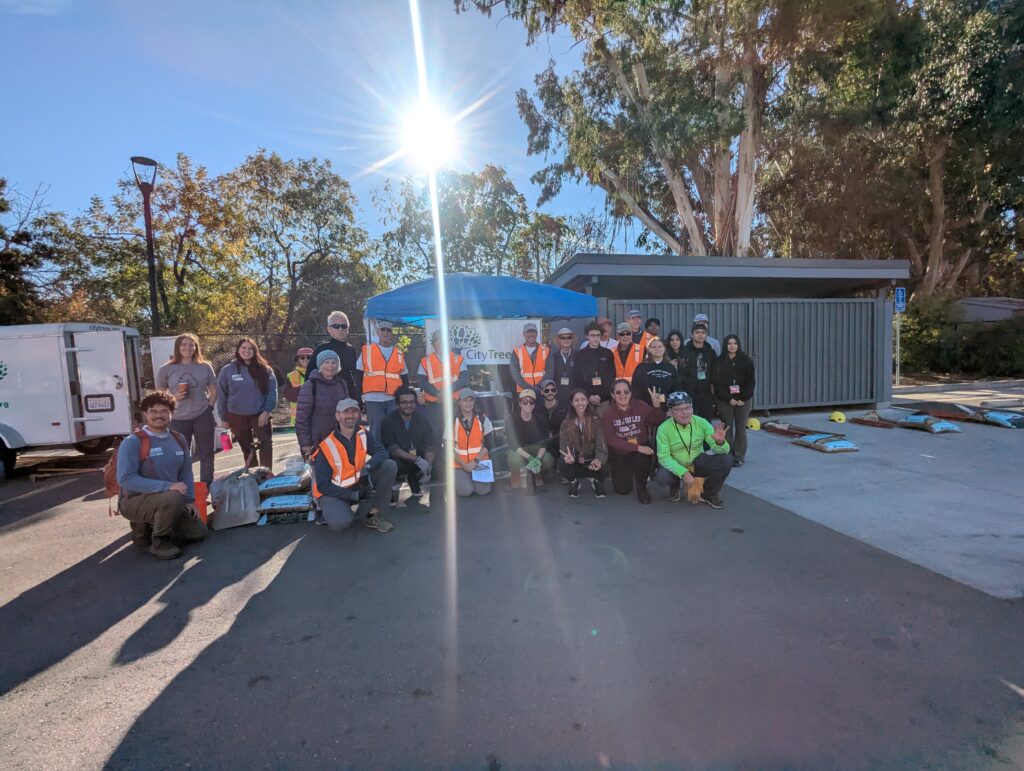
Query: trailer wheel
9, 458
96, 446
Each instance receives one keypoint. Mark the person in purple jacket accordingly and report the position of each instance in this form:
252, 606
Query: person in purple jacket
320, 394
248, 396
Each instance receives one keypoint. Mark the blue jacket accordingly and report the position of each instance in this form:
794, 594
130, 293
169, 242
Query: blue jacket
168, 462
239, 394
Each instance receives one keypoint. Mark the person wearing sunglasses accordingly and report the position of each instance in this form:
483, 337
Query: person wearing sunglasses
295, 380
338, 329
527, 435
628, 355
384, 372
529, 361
561, 364
554, 410
628, 426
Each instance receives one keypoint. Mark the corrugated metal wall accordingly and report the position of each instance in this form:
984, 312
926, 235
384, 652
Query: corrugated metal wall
807, 352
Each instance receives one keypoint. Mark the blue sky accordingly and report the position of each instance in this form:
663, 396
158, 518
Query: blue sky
88, 83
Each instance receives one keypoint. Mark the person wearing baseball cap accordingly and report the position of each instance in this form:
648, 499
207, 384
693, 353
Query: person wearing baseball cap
561, 365
350, 466
430, 377
641, 337
295, 380
471, 436
702, 318
384, 372
529, 361
628, 355
528, 434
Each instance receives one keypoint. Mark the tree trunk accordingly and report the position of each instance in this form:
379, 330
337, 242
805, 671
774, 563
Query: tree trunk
612, 184
722, 155
937, 233
747, 158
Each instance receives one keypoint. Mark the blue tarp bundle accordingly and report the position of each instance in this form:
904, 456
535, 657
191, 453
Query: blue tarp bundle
471, 296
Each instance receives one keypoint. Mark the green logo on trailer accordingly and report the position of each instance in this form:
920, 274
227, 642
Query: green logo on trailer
3, 370
463, 336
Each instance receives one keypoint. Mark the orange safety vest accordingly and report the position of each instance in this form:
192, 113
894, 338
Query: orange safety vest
296, 379
380, 376
468, 445
645, 338
633, 359
435, 373
344, 472
532, 372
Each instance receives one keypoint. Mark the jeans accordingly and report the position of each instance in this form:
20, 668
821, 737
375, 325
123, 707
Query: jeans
713, 468
375, 414
201, 428
465, 486
339, 514
736, 420
628, 469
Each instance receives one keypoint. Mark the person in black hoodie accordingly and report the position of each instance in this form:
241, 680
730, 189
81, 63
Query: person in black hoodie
595, 370
695, 371
732, 380
674, 347
657, 374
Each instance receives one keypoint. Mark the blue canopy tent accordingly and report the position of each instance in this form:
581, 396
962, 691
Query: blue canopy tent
471, 296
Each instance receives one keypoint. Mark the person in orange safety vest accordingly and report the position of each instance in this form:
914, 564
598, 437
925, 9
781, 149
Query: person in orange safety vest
343, 465
529, 360
295, 380
384, 370
430, 378
471, 436
628, 356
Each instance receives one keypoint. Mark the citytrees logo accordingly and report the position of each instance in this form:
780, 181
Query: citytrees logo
3, 370
463, 336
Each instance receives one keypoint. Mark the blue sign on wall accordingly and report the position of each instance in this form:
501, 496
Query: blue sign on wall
901, 299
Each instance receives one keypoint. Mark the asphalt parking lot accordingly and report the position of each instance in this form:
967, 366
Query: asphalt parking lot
574, 634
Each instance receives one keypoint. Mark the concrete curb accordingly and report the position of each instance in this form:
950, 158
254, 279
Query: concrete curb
987, 385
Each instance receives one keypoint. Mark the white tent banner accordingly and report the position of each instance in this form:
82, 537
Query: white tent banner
483, 341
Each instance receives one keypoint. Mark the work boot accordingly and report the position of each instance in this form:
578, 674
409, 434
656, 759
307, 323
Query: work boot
375, 522
190, 529
163, 549
598, 486
642, 495
142, 534
712, 500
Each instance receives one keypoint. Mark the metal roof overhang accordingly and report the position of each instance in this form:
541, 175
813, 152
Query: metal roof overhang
675, 277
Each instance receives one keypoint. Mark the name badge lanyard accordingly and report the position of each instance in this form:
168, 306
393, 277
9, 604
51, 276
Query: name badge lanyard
689, 433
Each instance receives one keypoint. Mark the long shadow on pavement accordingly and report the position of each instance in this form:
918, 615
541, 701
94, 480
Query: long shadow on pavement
55, 618
594, 633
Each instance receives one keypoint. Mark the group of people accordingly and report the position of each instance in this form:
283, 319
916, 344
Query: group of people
634, 408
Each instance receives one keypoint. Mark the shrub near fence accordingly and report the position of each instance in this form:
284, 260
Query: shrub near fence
934, 340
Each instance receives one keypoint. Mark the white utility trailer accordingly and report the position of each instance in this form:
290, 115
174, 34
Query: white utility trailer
67, 385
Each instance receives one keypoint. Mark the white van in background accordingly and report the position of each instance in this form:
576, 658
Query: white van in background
67, 385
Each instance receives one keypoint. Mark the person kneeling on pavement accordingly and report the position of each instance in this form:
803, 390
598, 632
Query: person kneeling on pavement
409, 439
581, 444
154, 471
681, 440
349, 467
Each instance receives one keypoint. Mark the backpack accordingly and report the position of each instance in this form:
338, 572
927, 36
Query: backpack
110, 484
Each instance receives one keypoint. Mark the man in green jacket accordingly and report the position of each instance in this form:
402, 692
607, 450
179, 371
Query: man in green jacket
681, 442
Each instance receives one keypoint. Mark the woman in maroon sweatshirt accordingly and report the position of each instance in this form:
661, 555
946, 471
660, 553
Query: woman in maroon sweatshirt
629, 425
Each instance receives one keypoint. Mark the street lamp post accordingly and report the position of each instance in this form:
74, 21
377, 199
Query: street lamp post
148, 165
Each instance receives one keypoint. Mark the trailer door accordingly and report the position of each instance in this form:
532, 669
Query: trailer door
102, 384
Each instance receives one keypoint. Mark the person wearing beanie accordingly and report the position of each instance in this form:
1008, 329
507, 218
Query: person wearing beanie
295, 380
315, 415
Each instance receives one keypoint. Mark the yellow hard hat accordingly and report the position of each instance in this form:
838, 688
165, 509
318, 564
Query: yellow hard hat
837, 417
753, 424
